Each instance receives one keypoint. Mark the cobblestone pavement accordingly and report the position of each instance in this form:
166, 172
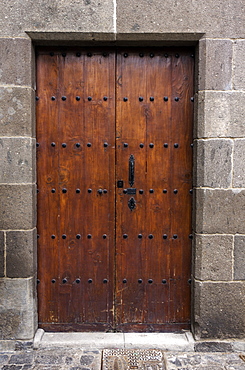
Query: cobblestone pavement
78, 359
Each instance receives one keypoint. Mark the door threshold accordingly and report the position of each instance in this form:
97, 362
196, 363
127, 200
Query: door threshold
183, 342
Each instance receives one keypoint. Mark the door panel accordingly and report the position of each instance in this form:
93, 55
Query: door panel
114, 156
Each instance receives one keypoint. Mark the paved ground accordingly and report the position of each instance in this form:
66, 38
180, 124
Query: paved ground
78, 359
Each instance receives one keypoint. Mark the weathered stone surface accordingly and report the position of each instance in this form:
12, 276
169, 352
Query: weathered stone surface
67, 15
213, 347
20, 253
17, 308
220, 211
238, 65
17, 207
239, 257
1, 253
238, 163
220, 114
18, 160
16, 62
214, 163
219, 310
213, 257
216, 19
17, 111
215, 64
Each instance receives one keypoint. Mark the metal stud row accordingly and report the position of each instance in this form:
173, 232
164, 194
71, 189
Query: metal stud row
106, 144
105, 191
105, 98
125, 236
105, 281
141, 55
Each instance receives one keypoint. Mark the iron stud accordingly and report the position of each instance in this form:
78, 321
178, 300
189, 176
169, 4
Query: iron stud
106, 145
78, 145
177, 55
78, 98
125, 191
175, 191
38, 236
151, 98
89, 55
37, 145
100, 191
151, 191
151, 145
164, 236
141, 55
64, 281
78, 236
64, 190
124, 281
105, 98
78, 54
90, 281
53, 98
53, 236
192, 145
63, 145
150, 281
89, 190
104, 236
164, 281
150, 236
165, 145
105, 54
176, 145
165, 98
38, 281
125, 236
64, 236
192, 99
78, 281
105, 191
53, 191
125, 145
37, 98
125, 55
175, 236
63, 98
37, 191
164, 191
53, 281
53, 144
191, 191
141, 191
89, 236
125, 99
166, 55
176, 99
141, 145
190, 236
152, 55
89, 145
140, 236
89, 98
78, 191
140, 281
141, 98
105, 281
189, 281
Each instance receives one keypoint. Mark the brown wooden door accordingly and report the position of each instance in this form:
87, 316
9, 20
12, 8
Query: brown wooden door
114, 160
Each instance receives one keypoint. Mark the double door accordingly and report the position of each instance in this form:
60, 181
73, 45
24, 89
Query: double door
114, 178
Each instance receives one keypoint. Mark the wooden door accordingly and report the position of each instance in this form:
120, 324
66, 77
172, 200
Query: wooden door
114, 160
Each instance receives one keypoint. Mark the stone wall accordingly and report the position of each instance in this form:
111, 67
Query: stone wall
217, 28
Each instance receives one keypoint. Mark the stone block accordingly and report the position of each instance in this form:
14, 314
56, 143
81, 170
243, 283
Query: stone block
213, 163
220, 312
56, 16
238, 163
220, 211
215, 64
17, 111
216, 19
2, 248
17, 160
16, 62
238, 68
213, 257
18, 313
21, 253
239, 257
220, 114
17, 207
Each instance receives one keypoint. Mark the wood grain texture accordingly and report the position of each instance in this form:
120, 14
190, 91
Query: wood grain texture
147, 113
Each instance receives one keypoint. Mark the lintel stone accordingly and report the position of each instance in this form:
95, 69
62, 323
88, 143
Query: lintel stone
220, 211
213, 257
18, 160
17, 207
219, 310
21, 253
17, 111
213, 163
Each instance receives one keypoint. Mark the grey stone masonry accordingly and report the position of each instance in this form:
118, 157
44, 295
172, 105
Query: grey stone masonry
238, 70
18, 160
20, 258
2, 249
239, 257
238, 163
17, 111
